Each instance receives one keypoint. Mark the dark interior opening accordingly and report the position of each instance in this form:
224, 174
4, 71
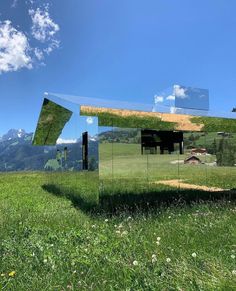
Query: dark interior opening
165, 140
85, 150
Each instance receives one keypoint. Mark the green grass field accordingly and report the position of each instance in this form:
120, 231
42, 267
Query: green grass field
52, 240
125, 161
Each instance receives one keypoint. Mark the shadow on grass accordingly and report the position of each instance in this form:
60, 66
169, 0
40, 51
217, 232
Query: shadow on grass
139, 202
72, 195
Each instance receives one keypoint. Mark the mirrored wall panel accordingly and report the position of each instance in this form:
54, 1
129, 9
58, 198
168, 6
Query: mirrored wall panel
72, 170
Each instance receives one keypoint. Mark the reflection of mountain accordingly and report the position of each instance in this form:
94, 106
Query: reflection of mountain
17, 152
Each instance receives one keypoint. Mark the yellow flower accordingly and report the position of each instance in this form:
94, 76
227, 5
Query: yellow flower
12, 274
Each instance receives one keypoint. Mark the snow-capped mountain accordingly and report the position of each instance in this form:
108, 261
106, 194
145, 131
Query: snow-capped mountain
18, 154
14, 133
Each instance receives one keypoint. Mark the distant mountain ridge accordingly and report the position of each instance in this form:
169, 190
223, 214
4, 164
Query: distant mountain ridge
18, 154
14, 133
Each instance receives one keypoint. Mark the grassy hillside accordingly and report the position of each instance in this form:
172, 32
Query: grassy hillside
50, 241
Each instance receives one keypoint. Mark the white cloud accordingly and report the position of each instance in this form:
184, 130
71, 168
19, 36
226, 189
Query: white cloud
53, 45
170, 97
14, 49
158, 99
89, 120
179, 92
39, 54
14, 4
43, 28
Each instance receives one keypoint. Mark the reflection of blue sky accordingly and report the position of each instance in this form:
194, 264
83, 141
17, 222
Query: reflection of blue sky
192, 98
146, 105
185, 100
164, 101
77, 125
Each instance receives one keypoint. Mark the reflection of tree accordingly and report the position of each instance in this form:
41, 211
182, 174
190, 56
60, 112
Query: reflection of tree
190, 141
212, 148
225, 154
92, 164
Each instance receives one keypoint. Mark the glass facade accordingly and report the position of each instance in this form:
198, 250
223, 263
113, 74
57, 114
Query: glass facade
71, 164
132, 161
102, 153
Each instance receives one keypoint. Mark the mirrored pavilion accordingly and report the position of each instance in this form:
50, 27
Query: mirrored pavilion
172, 143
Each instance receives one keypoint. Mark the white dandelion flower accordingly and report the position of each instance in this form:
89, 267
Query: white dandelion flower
154, 258
135, 263
168, 260
194, 255
232, 256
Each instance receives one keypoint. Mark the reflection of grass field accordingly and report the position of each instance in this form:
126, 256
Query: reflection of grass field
128, 163
47, 244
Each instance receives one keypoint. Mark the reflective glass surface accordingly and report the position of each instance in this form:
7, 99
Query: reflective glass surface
65, 174
113, 152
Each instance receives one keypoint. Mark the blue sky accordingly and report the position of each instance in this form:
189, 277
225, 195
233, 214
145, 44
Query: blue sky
115, 49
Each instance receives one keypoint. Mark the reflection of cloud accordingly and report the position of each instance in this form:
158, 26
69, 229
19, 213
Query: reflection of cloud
170, 97
14, 49
179, 92
192, 98
173, 109
66, 141
89, 120
158, 99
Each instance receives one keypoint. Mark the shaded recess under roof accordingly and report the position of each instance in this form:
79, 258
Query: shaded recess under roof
52, 120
